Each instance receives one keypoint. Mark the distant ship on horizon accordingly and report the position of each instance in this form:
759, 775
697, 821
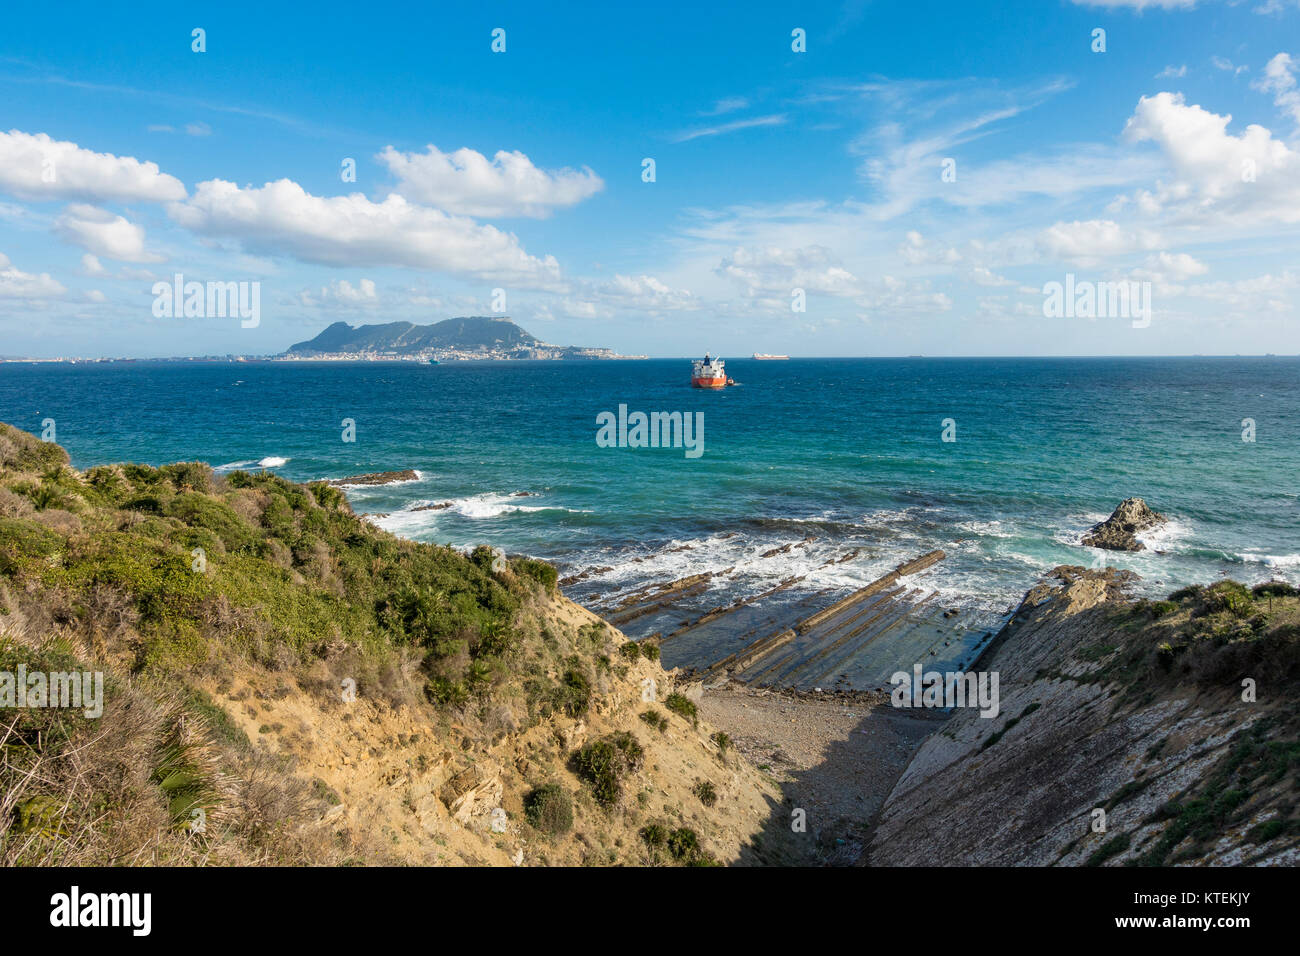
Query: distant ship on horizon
764, 357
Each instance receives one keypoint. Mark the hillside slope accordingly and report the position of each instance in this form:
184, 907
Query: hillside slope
289, 684
1132, 708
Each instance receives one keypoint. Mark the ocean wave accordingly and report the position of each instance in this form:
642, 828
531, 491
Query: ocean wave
424, 514
1270, 560
1167, 536
270, 461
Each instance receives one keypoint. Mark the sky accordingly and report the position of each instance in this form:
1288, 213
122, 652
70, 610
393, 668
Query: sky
870, 177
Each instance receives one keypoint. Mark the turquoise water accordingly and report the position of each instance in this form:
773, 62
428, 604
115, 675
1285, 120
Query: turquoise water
847, 451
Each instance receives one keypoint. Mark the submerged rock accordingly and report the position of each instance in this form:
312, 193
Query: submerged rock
1119, 532
377, 478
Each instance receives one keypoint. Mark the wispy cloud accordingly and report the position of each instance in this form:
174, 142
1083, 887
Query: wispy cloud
728, 104
776, 119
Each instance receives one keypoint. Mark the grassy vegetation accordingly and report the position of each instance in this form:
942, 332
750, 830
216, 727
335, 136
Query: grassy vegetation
1207, 636
164, 575
681, 844
684, 706
549, 809
604, 764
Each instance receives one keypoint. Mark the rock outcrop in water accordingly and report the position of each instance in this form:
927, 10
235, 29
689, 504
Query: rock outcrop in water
1119, 532
377, 478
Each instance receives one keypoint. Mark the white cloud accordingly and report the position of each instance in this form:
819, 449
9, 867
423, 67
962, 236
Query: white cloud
91, 266
343, 293
27, 161
1280, 80
104, 234
774, 272
1227, 66
467, 183
916, 250
1251, 178
15, 284
728, 104
281, 218
1172, 72
94, 295
776, 119
1089, 241
986, 277
1172, 267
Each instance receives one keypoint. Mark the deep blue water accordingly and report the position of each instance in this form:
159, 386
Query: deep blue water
846, 450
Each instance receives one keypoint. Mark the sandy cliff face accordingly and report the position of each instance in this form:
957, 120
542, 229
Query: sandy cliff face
1130, 709
285, 683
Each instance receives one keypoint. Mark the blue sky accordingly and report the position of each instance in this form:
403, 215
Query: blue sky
126, 157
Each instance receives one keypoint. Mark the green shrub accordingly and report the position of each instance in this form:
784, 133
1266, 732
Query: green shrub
707, 793
1275, 589
723, 741
655, 719
1187, 593
684, 706
573, 696
655, 835
1230, 596
539, 571
604, 763
549, 809
630, 650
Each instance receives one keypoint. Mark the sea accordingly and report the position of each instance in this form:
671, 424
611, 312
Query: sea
829, 471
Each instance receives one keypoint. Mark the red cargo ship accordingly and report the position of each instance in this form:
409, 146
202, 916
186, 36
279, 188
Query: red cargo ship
709, 373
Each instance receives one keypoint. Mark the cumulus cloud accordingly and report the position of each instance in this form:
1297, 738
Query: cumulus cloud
341, 292
1250, 177
15, 284
104, 234
1092, 240
38, 167
1173, 267
631, 293
468, 183
773, 270
281, 218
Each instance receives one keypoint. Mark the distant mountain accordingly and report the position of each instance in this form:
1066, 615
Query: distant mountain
468, 333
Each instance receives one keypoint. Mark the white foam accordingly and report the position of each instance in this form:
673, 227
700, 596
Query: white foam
1271, 560
234, 465
1167, 536
273, 462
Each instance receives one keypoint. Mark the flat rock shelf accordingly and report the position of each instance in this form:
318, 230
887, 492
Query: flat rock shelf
843, 642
